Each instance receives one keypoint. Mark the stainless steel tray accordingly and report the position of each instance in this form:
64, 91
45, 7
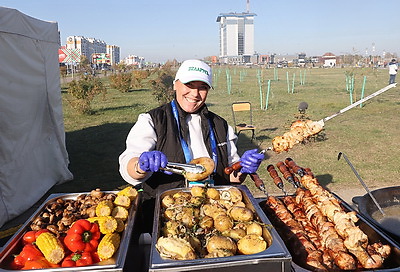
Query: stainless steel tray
116, 263
275, 258
391, 264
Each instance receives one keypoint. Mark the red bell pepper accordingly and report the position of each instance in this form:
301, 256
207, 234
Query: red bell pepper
29, 253
95, 257
78, 259
30, 236
82, 236
39, 263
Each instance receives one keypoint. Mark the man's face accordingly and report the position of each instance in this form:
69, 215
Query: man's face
192, 95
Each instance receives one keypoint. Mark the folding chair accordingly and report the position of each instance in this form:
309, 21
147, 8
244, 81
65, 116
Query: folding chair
244, 120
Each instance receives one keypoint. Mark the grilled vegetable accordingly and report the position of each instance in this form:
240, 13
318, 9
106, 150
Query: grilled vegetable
217, 242
29, 237
107, 224
82, 236
78, 259
51, 247
29, 252
120, 213
251, 244
129, 192
175, 248
37, 264
108, 245
104, 208
123, 201
120, 225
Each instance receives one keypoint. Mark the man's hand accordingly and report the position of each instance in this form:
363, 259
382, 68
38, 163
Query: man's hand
152, 161
250, 161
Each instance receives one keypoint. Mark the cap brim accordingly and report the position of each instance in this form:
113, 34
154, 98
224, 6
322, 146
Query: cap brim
190, 80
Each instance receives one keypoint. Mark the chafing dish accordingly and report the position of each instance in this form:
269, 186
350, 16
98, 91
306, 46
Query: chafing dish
391, 264
275, 258
116, 263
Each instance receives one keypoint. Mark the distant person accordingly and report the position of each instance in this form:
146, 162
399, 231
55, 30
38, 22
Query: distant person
393, 67
179, 131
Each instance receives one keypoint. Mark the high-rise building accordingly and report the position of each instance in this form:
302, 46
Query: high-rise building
236, 37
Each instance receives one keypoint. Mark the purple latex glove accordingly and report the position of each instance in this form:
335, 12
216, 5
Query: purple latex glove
151, 161
250, 161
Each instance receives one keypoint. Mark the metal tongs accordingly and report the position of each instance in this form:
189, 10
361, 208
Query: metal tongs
182, 168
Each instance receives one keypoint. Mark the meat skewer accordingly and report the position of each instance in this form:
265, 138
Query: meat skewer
313, 255
301, 130
287, 174
275, 177
296, 169
254, 176
234, 167
259, 183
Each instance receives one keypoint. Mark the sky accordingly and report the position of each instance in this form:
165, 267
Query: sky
160, 30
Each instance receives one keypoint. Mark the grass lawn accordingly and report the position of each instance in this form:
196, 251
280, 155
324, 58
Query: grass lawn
368, 135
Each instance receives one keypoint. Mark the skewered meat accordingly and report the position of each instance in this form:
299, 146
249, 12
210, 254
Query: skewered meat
299, 131
334, 248
340, 242
313, 256
355, 240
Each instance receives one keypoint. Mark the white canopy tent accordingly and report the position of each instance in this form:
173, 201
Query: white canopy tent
33, 155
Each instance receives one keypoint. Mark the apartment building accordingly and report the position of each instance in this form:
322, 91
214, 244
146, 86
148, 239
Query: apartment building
89, 47
236, 37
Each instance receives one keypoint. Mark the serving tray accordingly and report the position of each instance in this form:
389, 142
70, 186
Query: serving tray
275, 258
115, 263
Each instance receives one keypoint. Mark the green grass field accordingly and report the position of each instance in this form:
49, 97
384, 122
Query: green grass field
368, 135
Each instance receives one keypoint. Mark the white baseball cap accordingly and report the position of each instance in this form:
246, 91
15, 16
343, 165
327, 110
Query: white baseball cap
194, 70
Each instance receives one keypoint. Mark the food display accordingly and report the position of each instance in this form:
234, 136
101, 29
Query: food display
207, 223
324, 235
299, 131
207, 226
71, 230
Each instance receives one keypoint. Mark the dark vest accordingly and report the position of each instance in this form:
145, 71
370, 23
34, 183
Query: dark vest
168, 142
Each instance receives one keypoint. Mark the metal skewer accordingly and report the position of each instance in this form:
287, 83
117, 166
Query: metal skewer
362, 182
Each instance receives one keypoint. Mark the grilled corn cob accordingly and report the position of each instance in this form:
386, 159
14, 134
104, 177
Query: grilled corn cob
120, 225
129, 192
107, 224
120, 213
104, 208
51, 247
108, 245
123, 201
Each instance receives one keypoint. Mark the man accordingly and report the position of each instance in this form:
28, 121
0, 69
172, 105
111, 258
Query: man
180, 131
393, 67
